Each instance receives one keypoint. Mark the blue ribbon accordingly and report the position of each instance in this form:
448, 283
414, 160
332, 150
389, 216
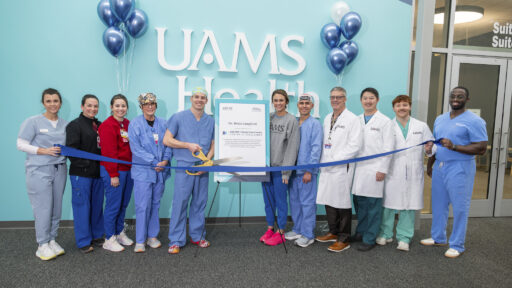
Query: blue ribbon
72, 152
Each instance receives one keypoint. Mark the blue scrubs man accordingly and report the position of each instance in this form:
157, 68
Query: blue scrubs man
146, 133
453, 174
188, 132
303, 185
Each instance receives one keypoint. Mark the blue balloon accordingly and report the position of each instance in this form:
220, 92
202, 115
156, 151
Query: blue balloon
350, 48
122, 8
350, 25
330, 35
136, 25
106, 15
114, 40
336, 60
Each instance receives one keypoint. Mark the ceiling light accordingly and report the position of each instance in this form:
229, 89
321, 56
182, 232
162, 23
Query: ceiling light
463, 14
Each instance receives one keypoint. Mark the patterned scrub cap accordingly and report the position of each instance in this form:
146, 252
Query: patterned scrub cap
199, 90
146, 98
308, 97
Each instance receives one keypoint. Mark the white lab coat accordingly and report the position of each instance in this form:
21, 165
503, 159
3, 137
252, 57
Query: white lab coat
346, 139
378, 138
404, 182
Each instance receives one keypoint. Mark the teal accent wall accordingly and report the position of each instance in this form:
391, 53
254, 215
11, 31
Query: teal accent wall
58, 44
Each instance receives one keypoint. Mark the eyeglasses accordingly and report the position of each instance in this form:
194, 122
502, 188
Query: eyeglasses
336, 97
149, 104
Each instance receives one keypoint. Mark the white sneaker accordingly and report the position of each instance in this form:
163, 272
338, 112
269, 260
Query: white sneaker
403, 246
56, 248
139, 248
123, 239
154, 243
111, 244
44, 252
452, 253
291, 236
431, 242
383, 241
304, 242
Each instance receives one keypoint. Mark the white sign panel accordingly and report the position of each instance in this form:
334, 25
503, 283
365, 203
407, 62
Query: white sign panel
242, 131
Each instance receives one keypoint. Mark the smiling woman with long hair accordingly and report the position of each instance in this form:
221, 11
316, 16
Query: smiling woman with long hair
284, 147
116, 177
84, 175
45, 171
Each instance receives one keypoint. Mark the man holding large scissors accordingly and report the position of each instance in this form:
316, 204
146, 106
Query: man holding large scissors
190, 132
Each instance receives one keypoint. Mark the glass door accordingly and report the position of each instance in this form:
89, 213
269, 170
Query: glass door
503, 206
486, 80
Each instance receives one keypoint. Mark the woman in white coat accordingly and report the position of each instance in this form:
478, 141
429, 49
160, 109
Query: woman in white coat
403, 188
343, 138
368, 185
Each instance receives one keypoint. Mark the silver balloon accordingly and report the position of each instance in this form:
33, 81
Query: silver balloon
338, 10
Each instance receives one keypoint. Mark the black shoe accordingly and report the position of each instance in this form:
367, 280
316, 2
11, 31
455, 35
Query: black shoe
355, 238
363, 247
98, 242
87, 249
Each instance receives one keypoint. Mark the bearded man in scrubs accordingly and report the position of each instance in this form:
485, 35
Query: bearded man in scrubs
188, 132
453, 170
303, 185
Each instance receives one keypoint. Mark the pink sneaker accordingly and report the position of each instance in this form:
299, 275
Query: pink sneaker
267, 235
276, 239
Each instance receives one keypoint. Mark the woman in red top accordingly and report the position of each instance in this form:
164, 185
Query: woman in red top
116, 178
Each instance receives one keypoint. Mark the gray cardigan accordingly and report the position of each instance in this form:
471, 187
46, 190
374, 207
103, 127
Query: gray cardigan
284, 141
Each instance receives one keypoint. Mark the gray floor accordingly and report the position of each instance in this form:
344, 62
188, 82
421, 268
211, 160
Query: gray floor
236, 259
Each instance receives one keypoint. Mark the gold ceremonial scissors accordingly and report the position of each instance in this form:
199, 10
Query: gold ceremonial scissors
204, 161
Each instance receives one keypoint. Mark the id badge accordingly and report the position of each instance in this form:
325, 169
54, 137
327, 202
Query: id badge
155, 137
124, 135
327, 146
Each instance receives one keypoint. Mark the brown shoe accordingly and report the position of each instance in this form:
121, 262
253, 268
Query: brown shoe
339, 246
327, 238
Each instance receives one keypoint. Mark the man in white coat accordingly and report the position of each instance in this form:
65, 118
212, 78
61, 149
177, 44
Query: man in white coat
343, 139
403, 188
368, 185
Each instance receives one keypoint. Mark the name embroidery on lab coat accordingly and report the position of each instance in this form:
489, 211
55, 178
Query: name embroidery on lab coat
375, 129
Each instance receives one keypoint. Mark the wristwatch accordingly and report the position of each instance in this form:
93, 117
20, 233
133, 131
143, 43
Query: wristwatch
454, 148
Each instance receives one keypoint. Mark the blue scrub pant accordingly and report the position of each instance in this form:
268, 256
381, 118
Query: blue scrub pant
147, 203
303, 205
275, 198
452, 183
369, 217
185, 188
116, 201
45, 188
87, 201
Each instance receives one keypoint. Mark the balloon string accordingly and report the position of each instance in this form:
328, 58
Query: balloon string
124, 63
117, 74
130, 62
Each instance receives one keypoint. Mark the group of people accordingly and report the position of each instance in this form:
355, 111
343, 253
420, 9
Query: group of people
381, 187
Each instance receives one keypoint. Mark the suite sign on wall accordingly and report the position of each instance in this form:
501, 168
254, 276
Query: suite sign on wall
271, 45
502, 35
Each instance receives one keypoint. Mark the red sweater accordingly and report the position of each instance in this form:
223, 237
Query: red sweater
114, 144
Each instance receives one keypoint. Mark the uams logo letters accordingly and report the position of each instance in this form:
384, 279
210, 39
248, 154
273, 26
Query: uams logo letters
269, 44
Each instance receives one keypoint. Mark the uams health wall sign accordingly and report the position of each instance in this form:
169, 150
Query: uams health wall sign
270, 46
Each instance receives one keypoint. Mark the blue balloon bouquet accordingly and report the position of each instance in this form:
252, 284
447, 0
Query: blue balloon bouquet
123, 21
341, 53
